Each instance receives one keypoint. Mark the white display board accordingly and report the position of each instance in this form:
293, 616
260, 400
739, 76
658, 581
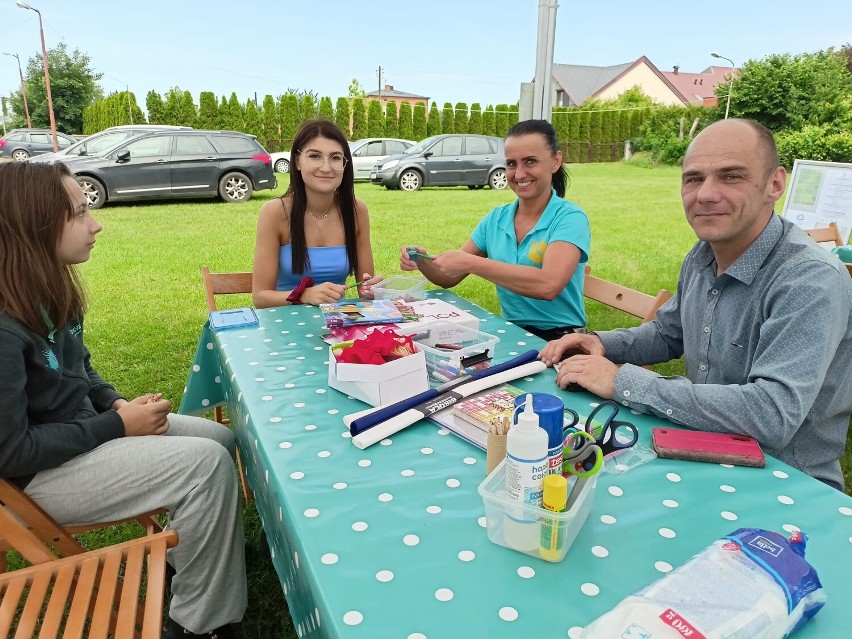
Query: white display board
819, 193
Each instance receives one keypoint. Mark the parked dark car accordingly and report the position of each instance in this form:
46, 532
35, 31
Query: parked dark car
445, 160
103, 141
176, 164
22, 144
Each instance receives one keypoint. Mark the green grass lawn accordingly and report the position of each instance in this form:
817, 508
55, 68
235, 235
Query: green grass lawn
147, 303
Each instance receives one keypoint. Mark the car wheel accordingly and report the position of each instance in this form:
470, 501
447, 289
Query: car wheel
93, 190
282, 165
410, 180
20, 155
235, 187
475, 187
497, 180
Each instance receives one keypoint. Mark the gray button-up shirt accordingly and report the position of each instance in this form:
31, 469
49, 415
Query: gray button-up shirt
768, 350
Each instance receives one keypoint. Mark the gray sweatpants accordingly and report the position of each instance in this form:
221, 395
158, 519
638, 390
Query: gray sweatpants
189, 471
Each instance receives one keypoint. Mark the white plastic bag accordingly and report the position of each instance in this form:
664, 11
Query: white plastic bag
752, 584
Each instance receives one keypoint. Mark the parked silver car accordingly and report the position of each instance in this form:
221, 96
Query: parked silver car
22, 144
103, 141
445, 160
365, 153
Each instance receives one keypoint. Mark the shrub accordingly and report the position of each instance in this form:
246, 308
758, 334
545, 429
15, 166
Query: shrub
814, 143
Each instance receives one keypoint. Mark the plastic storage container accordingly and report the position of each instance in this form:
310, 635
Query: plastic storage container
565, 525
453, 350
402, 287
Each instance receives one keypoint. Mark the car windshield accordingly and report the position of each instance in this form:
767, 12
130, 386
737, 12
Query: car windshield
421, 146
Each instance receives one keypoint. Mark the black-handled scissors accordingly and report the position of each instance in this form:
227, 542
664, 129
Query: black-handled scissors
610, 434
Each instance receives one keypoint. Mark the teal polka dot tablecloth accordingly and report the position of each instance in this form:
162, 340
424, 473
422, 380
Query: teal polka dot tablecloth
391, 541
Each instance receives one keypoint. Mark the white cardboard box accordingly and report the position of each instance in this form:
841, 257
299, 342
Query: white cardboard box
380, 384
431, 310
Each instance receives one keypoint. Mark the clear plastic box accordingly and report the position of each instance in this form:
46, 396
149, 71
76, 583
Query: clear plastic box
453, 350
557, 530
402, 287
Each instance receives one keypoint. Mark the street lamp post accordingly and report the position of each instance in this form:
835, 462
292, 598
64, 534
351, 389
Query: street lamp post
23, 89
731, 84
24, 5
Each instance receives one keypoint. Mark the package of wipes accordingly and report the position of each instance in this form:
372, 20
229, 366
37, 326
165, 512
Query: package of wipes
752, 584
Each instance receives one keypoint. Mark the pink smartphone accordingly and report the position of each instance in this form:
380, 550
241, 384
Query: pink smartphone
718, 448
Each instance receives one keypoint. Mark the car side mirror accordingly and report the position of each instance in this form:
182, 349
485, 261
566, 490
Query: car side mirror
427, 155
124, 156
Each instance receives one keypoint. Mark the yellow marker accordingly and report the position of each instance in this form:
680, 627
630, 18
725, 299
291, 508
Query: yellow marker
554, 498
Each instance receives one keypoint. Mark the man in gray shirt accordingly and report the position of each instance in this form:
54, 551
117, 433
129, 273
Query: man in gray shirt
761, 316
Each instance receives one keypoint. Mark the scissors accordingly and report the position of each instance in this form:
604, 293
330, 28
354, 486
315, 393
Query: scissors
582, 456
609, 434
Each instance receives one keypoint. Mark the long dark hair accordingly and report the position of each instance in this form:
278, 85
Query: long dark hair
344, 197
560, 178
34, 207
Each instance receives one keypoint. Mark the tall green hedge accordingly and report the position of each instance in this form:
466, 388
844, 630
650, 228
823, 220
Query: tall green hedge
326, 109
501, 120
461, 119
447, 118
406, 121
433, 123
288, 117
208, 110
342, 117
269, 122
475, 123
391, 120
418, 126
488, 121
359, 119
375, 120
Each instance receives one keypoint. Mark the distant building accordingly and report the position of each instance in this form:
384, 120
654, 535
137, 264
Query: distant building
389, 94
574, 83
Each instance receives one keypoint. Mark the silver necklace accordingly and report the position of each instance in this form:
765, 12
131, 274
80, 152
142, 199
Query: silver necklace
320, 216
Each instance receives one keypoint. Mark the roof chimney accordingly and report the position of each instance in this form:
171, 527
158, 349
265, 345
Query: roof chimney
388, 87
676, 69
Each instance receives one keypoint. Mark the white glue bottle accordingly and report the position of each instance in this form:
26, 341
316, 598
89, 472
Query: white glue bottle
526, 467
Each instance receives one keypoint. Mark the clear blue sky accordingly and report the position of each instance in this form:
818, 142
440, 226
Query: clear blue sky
450, 50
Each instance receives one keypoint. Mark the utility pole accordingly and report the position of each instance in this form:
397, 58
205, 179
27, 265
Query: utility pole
380, 83
3, 101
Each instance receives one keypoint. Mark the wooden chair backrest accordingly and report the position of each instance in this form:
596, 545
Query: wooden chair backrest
95, 594
28, 529
625, 299
831, 233
849, 268
224, 284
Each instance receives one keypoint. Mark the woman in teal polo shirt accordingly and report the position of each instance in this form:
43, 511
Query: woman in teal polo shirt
534, 249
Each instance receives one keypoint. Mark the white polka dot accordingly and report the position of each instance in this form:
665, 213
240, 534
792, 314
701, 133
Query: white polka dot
483, 523
196, 368
323, 454
285, 445
526, 572
668, 533
780, 474
443, 594
329, 559
384, 576
386, 442
784, 499
622, 467
311, 373
600, 551
575, 632
673, 477
416, 635
608, 519
426, 451
469, 460
298, 474
359, 526
260, 379
274, 420
453, 483
411, 540
289, 385
727, 489
333, 411
507, 613
615, 491
670, 503
209, 346
310, 513
726, 465
299, 405
346, 434
364, 463
311, 427
663, 566
266, 398
353, 618
281, 368
247, 350
726, 514
443, 431
385, 497
205, 402
467, 555
340, 485
791, 528
407, 472
217, 379
589, 589
845, 510
433, 510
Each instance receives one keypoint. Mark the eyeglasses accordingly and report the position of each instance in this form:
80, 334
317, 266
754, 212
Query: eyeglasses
315, 159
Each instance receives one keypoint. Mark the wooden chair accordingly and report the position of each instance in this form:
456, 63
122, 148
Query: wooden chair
831, 233
227, 284
625, 299
85, 593
19, 513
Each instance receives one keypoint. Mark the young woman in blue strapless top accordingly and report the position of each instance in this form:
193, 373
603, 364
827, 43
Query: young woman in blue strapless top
317, 229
